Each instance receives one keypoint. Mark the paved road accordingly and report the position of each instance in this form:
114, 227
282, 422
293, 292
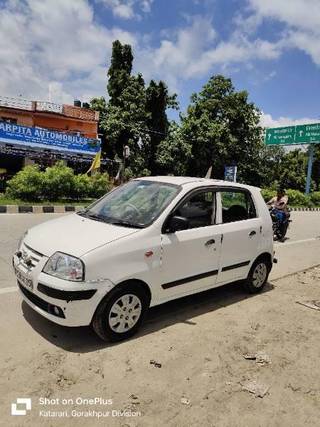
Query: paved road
39, 358
300, 250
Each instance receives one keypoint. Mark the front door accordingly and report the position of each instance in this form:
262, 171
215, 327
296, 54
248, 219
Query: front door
190, 258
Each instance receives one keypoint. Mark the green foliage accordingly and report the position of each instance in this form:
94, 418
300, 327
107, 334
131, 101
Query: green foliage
119, 71
293, 170
157, 102
82, 186
99, 185
316, 167
315, 198
100, 105
267, 194
56, 183
174, 153
268, 167
25, 185
223, 128
134, 116
297, 198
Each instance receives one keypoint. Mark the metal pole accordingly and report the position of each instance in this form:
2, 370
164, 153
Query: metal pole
310, 161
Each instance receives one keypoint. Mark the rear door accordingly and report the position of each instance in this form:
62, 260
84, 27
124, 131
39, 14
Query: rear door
241, 230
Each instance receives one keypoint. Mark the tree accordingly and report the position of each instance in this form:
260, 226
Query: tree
100, 105
223, 127
157, 102
173, 153
119, 71
123, 118
266, 170
316, 168
125, 124
134, 116
293, 170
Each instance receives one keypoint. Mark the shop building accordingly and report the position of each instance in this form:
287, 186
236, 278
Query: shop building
37, 131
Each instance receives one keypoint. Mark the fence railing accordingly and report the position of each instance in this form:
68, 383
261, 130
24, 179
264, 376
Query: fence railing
51, 107
19, 103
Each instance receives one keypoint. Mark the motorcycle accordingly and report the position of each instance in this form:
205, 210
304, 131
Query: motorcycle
280, 222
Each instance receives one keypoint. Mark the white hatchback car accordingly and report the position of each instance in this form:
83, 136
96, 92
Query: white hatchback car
147, 242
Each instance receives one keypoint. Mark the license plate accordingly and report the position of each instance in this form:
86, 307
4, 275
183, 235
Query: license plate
25, 281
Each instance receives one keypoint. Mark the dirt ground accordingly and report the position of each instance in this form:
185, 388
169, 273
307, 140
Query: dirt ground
199, 375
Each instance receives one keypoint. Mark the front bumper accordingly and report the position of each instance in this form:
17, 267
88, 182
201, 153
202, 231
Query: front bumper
61, 301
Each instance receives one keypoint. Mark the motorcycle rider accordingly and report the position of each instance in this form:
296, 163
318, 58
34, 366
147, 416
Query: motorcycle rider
280, 203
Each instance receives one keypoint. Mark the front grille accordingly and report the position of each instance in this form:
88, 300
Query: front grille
30, 257
39, 302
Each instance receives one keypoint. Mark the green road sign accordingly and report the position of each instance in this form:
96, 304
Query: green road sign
307, 134
284, 135
290, 135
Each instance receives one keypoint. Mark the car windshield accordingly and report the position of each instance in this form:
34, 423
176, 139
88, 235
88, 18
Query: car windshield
135, 204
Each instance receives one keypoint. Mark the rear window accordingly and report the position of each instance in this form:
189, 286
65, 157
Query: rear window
237, 205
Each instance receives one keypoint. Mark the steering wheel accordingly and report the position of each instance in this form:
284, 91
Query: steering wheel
134, 208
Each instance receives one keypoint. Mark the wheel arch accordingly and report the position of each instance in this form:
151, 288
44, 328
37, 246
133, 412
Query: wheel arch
266, 256
136, 282
125, 283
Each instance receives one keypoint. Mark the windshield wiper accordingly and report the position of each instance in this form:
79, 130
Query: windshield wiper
124, 223
92, 215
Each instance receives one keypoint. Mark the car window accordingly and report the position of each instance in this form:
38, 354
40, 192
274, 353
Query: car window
237, 206
199, 209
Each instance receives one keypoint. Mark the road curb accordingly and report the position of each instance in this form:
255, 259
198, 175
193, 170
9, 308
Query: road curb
38, 209
304, 209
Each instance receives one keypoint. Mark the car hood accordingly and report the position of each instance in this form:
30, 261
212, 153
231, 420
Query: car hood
74, 235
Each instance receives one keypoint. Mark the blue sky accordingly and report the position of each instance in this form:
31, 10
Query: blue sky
59, 49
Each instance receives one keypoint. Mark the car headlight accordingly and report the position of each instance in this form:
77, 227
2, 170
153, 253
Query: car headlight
65, 267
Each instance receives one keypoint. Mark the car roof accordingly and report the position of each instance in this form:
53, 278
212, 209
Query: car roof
183, 180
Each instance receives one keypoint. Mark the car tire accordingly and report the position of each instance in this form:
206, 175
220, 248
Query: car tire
113, 320
258, 276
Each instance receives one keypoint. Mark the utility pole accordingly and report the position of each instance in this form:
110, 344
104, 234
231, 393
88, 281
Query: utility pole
310, 162
126, 155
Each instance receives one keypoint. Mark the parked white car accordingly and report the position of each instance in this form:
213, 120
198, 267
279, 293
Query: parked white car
149, 241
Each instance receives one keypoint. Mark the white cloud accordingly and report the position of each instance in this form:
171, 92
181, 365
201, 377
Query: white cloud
195, 50
56, 44
267, 121
301, 19
302, 14
125, 9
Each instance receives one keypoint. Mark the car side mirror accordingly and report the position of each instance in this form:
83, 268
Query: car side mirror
177, 223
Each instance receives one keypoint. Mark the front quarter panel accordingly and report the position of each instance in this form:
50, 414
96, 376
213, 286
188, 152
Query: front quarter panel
137, 256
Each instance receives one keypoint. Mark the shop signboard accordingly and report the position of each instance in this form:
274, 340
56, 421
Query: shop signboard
39, 138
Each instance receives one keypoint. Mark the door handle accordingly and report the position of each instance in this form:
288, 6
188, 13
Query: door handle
210, 242
252, 233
